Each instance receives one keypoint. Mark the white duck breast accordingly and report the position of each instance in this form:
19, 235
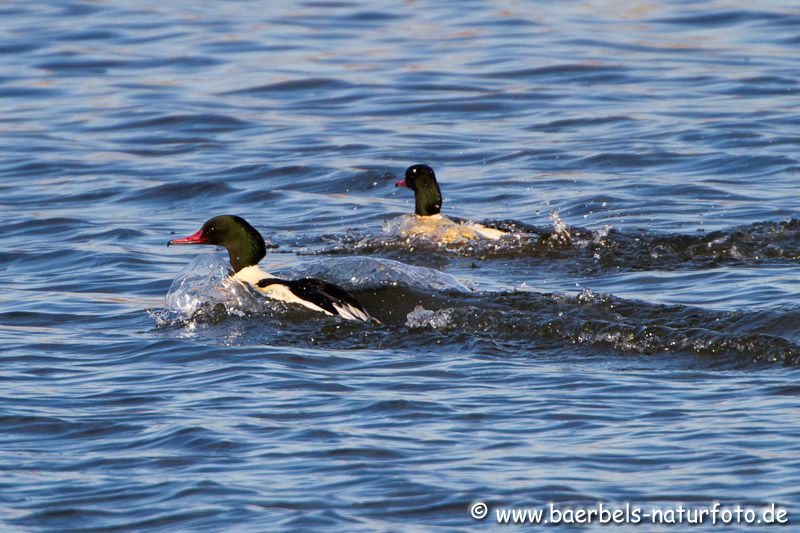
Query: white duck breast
442, 229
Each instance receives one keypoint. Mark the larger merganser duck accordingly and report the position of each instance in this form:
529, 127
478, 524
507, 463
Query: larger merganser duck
246, 249
428, 221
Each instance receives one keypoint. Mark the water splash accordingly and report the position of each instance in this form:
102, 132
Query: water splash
561, 231
560, 227
361, 273
203, 290
425, 318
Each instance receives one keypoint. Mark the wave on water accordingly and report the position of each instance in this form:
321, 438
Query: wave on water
423, 308
643, 250
595, 250
521, 322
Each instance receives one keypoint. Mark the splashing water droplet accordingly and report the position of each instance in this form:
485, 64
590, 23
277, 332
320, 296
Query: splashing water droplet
426, 318
559, 225
204, 285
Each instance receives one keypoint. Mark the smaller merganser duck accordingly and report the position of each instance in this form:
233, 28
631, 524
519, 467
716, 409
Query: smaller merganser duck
427, 220
246, 249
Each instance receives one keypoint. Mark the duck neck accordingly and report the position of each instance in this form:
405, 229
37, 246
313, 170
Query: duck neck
427, 199
246, 249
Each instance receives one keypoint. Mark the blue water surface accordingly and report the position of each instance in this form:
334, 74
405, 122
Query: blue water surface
639, 344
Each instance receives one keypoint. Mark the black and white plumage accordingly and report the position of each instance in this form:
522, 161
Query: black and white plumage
246, 248
318, 295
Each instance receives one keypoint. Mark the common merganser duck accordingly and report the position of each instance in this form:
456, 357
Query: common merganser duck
427, 220
246, 249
